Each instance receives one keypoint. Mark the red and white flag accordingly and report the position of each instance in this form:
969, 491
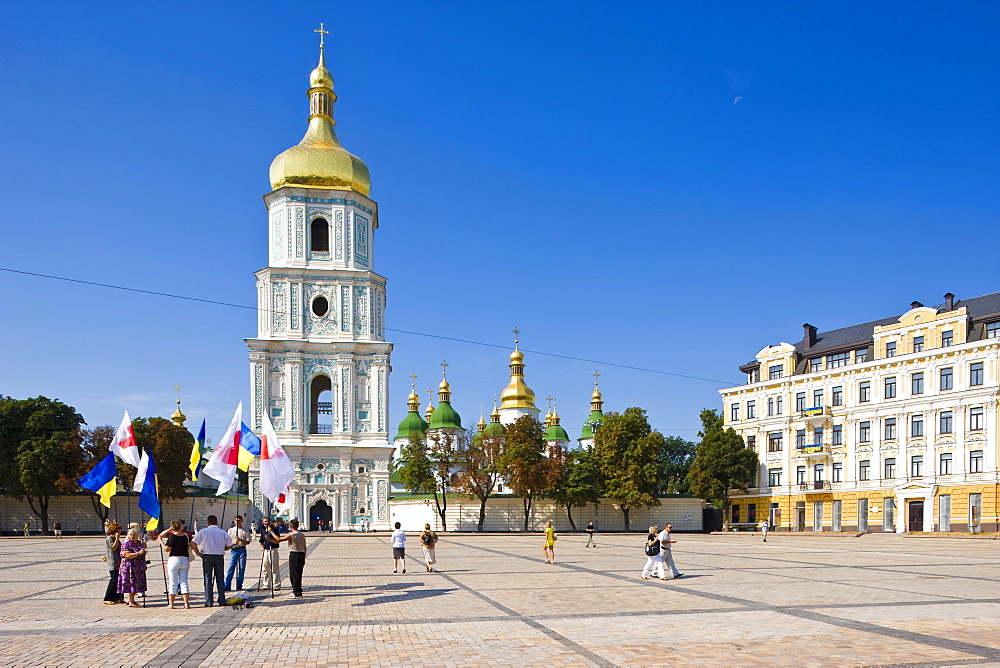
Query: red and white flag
124, 444
283, 504
276, 469
226, 456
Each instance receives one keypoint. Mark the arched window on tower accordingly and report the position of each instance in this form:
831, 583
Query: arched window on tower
320, 236
320, 406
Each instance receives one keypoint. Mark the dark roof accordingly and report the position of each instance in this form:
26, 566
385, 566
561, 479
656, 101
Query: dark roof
978, 307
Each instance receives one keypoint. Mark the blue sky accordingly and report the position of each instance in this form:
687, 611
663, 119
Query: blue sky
578, 170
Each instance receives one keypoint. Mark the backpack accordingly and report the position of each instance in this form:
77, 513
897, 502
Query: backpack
652, 550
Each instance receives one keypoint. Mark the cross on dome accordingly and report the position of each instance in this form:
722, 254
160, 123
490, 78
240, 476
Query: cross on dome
321, 34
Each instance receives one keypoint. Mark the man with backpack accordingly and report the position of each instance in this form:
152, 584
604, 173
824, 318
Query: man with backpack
654, 560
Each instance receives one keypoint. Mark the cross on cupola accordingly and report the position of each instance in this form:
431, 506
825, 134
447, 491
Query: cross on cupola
321, 34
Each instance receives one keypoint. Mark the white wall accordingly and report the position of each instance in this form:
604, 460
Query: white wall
507, 514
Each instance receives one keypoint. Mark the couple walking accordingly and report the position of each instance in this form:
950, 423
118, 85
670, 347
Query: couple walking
658, 549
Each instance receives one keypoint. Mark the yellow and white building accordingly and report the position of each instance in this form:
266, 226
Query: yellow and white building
888, 425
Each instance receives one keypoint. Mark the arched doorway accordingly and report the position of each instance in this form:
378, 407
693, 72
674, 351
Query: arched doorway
320, 515
321, 406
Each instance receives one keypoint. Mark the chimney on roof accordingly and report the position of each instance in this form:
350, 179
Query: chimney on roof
809, 335
949, 302
915, 304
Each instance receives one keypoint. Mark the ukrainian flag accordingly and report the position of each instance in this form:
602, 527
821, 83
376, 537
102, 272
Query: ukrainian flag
196, 452
249, 447
101, 479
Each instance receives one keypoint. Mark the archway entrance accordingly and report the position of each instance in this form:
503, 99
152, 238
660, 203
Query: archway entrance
320, 515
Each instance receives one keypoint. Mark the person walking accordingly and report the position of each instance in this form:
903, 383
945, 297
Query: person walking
549, 548
428, 540
178, 546
113, 545
764, 526
57, 529
665, 553
211, 544
132, 568
77, 527
654, 558
590, 535
270, 539
27, 528
296, 557
238, 554
398, 549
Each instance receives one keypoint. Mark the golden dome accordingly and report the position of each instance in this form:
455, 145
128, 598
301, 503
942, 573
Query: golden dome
517, 394
517, 357
319, 160
445, 386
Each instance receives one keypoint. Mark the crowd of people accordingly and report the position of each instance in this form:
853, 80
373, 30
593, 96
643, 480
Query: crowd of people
127, 557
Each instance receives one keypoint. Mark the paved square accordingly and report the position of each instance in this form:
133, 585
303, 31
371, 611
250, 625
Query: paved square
874, 600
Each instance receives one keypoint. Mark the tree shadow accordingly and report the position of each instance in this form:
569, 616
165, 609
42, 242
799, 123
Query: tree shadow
403, 596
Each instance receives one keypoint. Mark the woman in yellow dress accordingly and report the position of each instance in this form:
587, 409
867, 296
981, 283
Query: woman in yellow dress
549, 549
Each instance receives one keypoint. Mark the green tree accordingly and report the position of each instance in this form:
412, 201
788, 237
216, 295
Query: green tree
170, 447
523, 462
40, 454
444, 448
579, 483
722, 462
415, 470
627, 449
479, 470
675, 462
95, 442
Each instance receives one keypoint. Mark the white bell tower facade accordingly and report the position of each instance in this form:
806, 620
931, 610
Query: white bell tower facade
319, 366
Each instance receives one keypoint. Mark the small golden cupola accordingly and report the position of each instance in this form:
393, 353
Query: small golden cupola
517, 394
178, 417
319, 160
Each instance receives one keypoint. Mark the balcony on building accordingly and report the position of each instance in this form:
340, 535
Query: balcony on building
815, 486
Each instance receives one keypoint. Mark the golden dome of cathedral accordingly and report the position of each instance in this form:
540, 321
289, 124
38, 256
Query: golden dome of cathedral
319, 160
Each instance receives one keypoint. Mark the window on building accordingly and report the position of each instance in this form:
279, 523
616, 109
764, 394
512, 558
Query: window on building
818, 473
734, 412
992, 329
838, 435
838, 472
861, 356
976, 461
770, 406
864, 469
890, 429
890, 349
890, 468
864, 392
751, 513
751, 442
945, 426
947, 378
800, 475
976, 374
917, 466
800, 438
975, 418
890, 388
735, 513
916, 426
751, 410
818, 436
817, 397
918, 344
816, 364
944, 464
838, 396
864, 432
800, 401
917, 383
320, 236
838, 360
775, 371
774, 477
947, 338
774, 442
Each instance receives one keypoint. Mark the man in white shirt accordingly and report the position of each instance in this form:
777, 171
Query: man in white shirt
398, 549
668, 557
764, 526
238, 555
211, 544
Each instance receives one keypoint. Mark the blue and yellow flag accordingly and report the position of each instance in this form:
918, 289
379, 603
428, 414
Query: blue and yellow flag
148, 487
249, 447
101, 479
197, 450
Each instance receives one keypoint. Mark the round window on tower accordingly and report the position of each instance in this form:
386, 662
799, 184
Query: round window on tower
320, 306
319, 467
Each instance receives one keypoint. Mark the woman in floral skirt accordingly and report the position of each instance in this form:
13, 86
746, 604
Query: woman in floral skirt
132, 572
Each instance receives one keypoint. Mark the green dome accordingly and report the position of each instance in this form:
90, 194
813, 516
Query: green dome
556, 433
410, 424
494, 428
445, 417
595, 416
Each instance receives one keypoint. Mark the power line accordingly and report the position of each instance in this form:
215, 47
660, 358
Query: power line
389, 329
